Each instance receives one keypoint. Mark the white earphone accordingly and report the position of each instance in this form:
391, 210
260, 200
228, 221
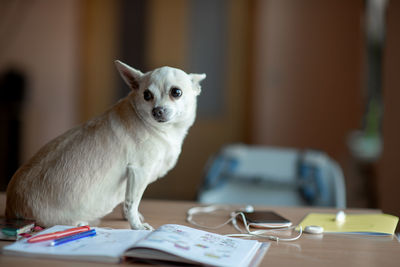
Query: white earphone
243, 233
249, 208
340, 217
212, 208
313, 229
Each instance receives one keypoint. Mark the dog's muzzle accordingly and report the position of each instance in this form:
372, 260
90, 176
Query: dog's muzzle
160, 114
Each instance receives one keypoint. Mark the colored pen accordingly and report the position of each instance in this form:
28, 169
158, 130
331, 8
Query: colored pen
66, 239
59, 234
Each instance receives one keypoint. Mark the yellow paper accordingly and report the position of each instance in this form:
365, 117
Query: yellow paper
373, 224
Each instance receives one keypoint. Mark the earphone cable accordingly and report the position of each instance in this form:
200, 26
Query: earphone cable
243, 233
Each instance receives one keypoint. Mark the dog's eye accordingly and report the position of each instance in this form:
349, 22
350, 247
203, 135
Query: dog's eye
147, 95
176, 92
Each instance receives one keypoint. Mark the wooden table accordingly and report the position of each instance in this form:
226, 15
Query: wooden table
310, 250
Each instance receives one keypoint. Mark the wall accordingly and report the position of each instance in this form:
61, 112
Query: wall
307, 90
307, 79
388, 168
99, 43
43, 44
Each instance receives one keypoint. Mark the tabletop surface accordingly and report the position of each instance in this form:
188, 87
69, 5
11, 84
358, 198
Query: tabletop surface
309, 250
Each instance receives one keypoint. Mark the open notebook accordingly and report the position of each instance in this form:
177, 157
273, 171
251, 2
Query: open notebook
170, 242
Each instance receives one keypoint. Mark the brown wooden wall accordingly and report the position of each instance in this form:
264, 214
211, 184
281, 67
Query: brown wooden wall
307, 74
388, 175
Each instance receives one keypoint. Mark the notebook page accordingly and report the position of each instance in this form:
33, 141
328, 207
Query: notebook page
200, 246
107, 245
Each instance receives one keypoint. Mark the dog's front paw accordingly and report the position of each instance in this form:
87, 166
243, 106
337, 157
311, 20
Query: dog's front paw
142, 226
147, 226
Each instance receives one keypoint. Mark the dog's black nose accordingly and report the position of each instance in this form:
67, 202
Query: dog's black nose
158, 113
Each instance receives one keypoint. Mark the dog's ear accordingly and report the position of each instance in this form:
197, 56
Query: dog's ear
196, 79
130, 75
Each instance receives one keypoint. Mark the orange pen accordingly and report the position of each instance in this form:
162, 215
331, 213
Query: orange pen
59, 234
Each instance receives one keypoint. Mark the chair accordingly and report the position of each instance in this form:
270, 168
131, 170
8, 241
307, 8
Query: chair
242, 174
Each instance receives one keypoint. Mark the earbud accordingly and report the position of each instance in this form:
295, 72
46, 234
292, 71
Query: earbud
340, 217
314, 229
249, 208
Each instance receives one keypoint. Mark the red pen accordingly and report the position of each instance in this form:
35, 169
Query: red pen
59, 234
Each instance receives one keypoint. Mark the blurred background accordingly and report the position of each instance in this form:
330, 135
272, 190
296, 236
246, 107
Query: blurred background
304, 74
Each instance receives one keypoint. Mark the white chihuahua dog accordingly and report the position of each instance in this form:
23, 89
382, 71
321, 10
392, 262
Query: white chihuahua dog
82, 175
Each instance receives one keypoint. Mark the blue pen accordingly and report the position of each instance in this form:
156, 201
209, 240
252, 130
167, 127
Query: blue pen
66, 239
